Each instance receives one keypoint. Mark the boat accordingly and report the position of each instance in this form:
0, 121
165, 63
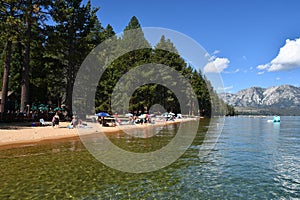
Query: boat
276, 118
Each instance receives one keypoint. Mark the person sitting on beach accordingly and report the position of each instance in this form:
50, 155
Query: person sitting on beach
105, 124
131, 120
74, 121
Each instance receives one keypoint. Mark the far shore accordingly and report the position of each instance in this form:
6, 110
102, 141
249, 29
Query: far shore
14, 134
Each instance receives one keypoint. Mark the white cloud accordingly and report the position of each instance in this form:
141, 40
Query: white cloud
288, 57
232, 72
250, 69
217, 65
228, 88
216, 52
260, 73
278, 79
262, 67
236, 71
224, 89
213, 56
207, 55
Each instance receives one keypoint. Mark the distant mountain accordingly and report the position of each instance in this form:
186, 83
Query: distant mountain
284, 99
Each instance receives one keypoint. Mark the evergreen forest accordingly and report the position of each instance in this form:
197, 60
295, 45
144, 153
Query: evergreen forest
44, 43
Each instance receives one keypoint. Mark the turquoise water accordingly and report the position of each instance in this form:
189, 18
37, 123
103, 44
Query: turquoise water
252, 159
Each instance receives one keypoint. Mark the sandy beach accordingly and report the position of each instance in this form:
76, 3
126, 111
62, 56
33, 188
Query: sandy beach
20, 133
24, 133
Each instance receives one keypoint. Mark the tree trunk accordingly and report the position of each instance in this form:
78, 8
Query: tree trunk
69, 94
26, 66
5, 76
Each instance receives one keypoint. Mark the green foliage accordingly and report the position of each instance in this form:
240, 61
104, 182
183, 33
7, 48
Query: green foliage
133, 24
9, 26
53, 51
146, 96
63, 32
75, 33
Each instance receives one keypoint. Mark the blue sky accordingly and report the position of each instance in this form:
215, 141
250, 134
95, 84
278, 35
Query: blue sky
251, 42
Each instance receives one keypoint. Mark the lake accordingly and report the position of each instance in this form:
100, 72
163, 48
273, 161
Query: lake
251, 159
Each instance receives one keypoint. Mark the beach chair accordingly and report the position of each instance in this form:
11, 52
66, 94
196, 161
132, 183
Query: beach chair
43, 123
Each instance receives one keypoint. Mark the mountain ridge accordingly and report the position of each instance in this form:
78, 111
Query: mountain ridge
282, 99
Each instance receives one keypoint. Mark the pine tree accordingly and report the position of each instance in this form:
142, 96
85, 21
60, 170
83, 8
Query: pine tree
133, 38
9, 28
75, 33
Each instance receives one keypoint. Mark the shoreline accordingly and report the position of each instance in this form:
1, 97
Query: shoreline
17, 134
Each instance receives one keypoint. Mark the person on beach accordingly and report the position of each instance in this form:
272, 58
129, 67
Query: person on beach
74, 121
55, 120
53, 123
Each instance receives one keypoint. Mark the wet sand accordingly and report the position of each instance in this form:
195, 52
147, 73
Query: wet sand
12, 134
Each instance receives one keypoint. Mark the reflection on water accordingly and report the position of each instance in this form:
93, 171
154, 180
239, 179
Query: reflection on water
253, 159
287, 162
